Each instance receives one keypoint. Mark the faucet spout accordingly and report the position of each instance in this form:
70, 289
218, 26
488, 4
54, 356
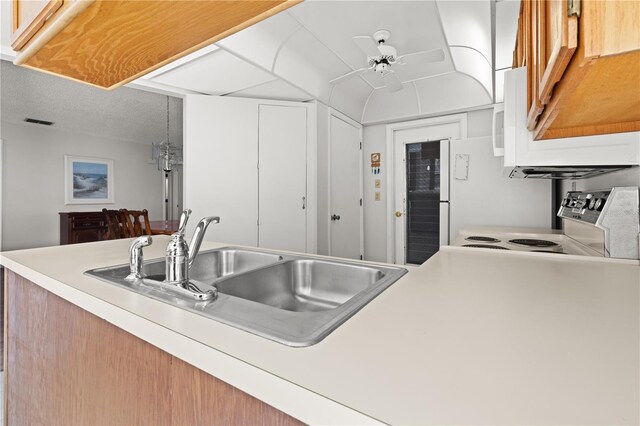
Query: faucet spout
198, 235
136, 258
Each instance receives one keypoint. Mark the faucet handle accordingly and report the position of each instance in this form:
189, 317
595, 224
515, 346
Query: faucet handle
198, 234
184, 218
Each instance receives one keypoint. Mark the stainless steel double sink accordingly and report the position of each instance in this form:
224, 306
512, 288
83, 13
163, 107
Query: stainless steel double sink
294, 300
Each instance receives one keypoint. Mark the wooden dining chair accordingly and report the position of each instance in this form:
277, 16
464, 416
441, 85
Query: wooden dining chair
117, 226
137, 222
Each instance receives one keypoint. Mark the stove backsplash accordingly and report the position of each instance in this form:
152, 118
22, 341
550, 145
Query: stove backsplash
625, 177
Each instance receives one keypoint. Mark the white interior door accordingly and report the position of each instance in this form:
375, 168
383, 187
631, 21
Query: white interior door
422, 199
441, 129
282, 177
345, 190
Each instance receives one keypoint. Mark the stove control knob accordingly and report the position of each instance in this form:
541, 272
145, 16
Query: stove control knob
567, 202
592, 203
599, 204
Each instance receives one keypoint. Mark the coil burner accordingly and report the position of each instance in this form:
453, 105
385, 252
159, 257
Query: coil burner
482, 239
532, 243
485, 246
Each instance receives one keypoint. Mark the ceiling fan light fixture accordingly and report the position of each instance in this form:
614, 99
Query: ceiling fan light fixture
381, 58
381, 36
382, 68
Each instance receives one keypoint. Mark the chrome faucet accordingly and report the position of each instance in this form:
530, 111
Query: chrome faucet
136, 258
180, 256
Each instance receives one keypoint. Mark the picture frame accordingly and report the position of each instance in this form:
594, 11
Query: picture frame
88, 180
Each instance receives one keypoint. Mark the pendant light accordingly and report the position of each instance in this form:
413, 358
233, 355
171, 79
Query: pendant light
166, 155
167, 158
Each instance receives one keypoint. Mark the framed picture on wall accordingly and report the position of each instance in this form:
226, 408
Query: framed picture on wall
88, 180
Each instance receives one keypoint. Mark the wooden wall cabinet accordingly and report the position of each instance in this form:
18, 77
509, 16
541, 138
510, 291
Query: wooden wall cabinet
82, 227
109, 43
29, 17
583, 66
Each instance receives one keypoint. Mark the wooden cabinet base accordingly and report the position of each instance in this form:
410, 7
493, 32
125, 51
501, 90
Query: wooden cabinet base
64, 365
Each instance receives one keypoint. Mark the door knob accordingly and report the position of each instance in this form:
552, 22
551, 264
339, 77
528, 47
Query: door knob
335, 217
398, 214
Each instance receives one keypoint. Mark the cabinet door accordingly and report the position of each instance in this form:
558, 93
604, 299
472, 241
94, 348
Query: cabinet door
86, 236
282, 177
554, 40
28, 17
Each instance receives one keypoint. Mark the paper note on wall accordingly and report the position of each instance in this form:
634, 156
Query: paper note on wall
461, 167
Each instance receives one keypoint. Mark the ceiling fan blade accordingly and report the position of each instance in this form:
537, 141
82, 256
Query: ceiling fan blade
348, 76
367, 45
392, 82
426, 56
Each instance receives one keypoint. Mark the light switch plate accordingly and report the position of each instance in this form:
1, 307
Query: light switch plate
377, 183
377, 195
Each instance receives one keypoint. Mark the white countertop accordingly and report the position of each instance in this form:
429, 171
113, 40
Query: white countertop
470, 337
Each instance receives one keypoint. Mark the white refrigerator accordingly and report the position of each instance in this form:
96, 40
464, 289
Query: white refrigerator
474, 190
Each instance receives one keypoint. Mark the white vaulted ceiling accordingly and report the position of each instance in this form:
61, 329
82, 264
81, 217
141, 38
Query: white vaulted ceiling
294, 54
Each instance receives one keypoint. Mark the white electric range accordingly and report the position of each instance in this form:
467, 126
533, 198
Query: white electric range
535, 240
603, 224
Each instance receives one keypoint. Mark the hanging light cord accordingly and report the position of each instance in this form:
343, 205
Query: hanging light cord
168, 142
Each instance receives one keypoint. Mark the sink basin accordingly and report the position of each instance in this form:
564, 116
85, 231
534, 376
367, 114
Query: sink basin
208, 267
294, 300
302, 285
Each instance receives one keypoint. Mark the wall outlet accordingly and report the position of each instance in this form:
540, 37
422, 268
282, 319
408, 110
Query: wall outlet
377, 184
377, 195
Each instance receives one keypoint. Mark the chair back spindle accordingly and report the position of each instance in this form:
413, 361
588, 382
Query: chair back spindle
137, 222
116, 224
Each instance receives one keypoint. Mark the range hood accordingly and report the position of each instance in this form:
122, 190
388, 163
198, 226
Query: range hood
563, 158
562, 172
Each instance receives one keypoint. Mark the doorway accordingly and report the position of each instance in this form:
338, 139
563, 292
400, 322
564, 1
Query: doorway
412, 198
422, 194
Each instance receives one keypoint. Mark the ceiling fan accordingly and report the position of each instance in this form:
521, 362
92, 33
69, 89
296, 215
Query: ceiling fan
381, 57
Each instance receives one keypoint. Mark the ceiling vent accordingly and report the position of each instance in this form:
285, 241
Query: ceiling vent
43, 122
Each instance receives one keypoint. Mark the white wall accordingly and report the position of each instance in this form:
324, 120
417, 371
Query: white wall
33, 180
220, 166
375, 212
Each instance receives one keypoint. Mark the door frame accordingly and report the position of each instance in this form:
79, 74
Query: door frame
340, 116
456, 119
